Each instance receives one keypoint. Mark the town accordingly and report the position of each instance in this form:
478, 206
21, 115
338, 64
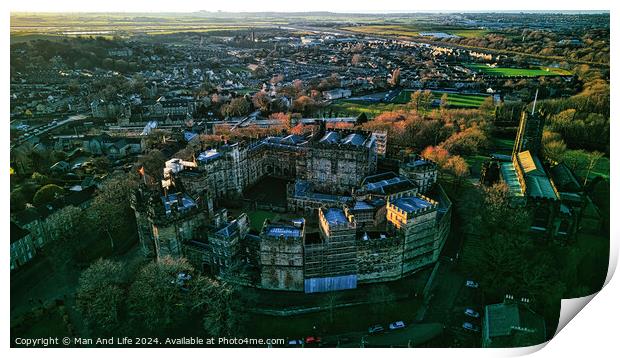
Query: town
330, 180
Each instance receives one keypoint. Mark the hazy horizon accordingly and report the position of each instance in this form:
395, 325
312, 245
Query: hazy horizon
568, 12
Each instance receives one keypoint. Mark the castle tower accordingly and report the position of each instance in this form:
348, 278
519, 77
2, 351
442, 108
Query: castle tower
529, 136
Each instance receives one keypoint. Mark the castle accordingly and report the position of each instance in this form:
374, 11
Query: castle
370, 227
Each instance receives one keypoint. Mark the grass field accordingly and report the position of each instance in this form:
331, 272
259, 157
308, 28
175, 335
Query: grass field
523, 72
454, 99
372, 109
413, 30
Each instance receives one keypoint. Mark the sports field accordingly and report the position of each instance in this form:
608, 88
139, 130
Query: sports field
464, 100
372, 109
521, 72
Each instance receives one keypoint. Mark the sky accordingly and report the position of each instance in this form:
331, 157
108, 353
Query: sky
359, 6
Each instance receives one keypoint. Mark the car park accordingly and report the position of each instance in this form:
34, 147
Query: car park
397, 325
313, 340
376, 329
472, 284
471, 327
471, 313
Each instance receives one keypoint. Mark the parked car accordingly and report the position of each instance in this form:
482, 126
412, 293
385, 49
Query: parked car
377, 328
397, 325
295, 342
312, 339
471, 327
471, 313
472, 284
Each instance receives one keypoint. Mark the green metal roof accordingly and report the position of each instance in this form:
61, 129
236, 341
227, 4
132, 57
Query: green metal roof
509, 174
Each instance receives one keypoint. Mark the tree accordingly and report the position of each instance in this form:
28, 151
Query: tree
47, 194
458, 167
102, 164
153, 163
304, 105
466, 142
362, 118
437, 154
416, 99
426, 100
110, 210
443, 103
221, 315
593, 158
487, 105
18, 199
553, 150
236, 108
156, 298
67, 229
99, 295
261, 101
283, 118
330, 302
395, 78
504, 257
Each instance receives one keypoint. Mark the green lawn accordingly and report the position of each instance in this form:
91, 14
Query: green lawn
475, 164
509, 72
257, 218
501, 146
454, 99
346, 107
372, 109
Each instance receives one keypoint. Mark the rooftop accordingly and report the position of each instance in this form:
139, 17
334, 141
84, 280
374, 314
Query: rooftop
335, 216
353, 139
537, 183
208, 155
504, 320
277, 231
292, 228
410, 204
181, 201
387, 183
511, 179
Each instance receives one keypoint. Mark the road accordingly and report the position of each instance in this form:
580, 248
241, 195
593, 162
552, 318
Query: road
449, 299
46, 128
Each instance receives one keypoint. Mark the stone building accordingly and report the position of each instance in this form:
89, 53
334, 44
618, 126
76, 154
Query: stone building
421, 171
218, 247
413, 218
379, 257
339, 161
281, 255
165, 222
372, 227
330, 262
332, 164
